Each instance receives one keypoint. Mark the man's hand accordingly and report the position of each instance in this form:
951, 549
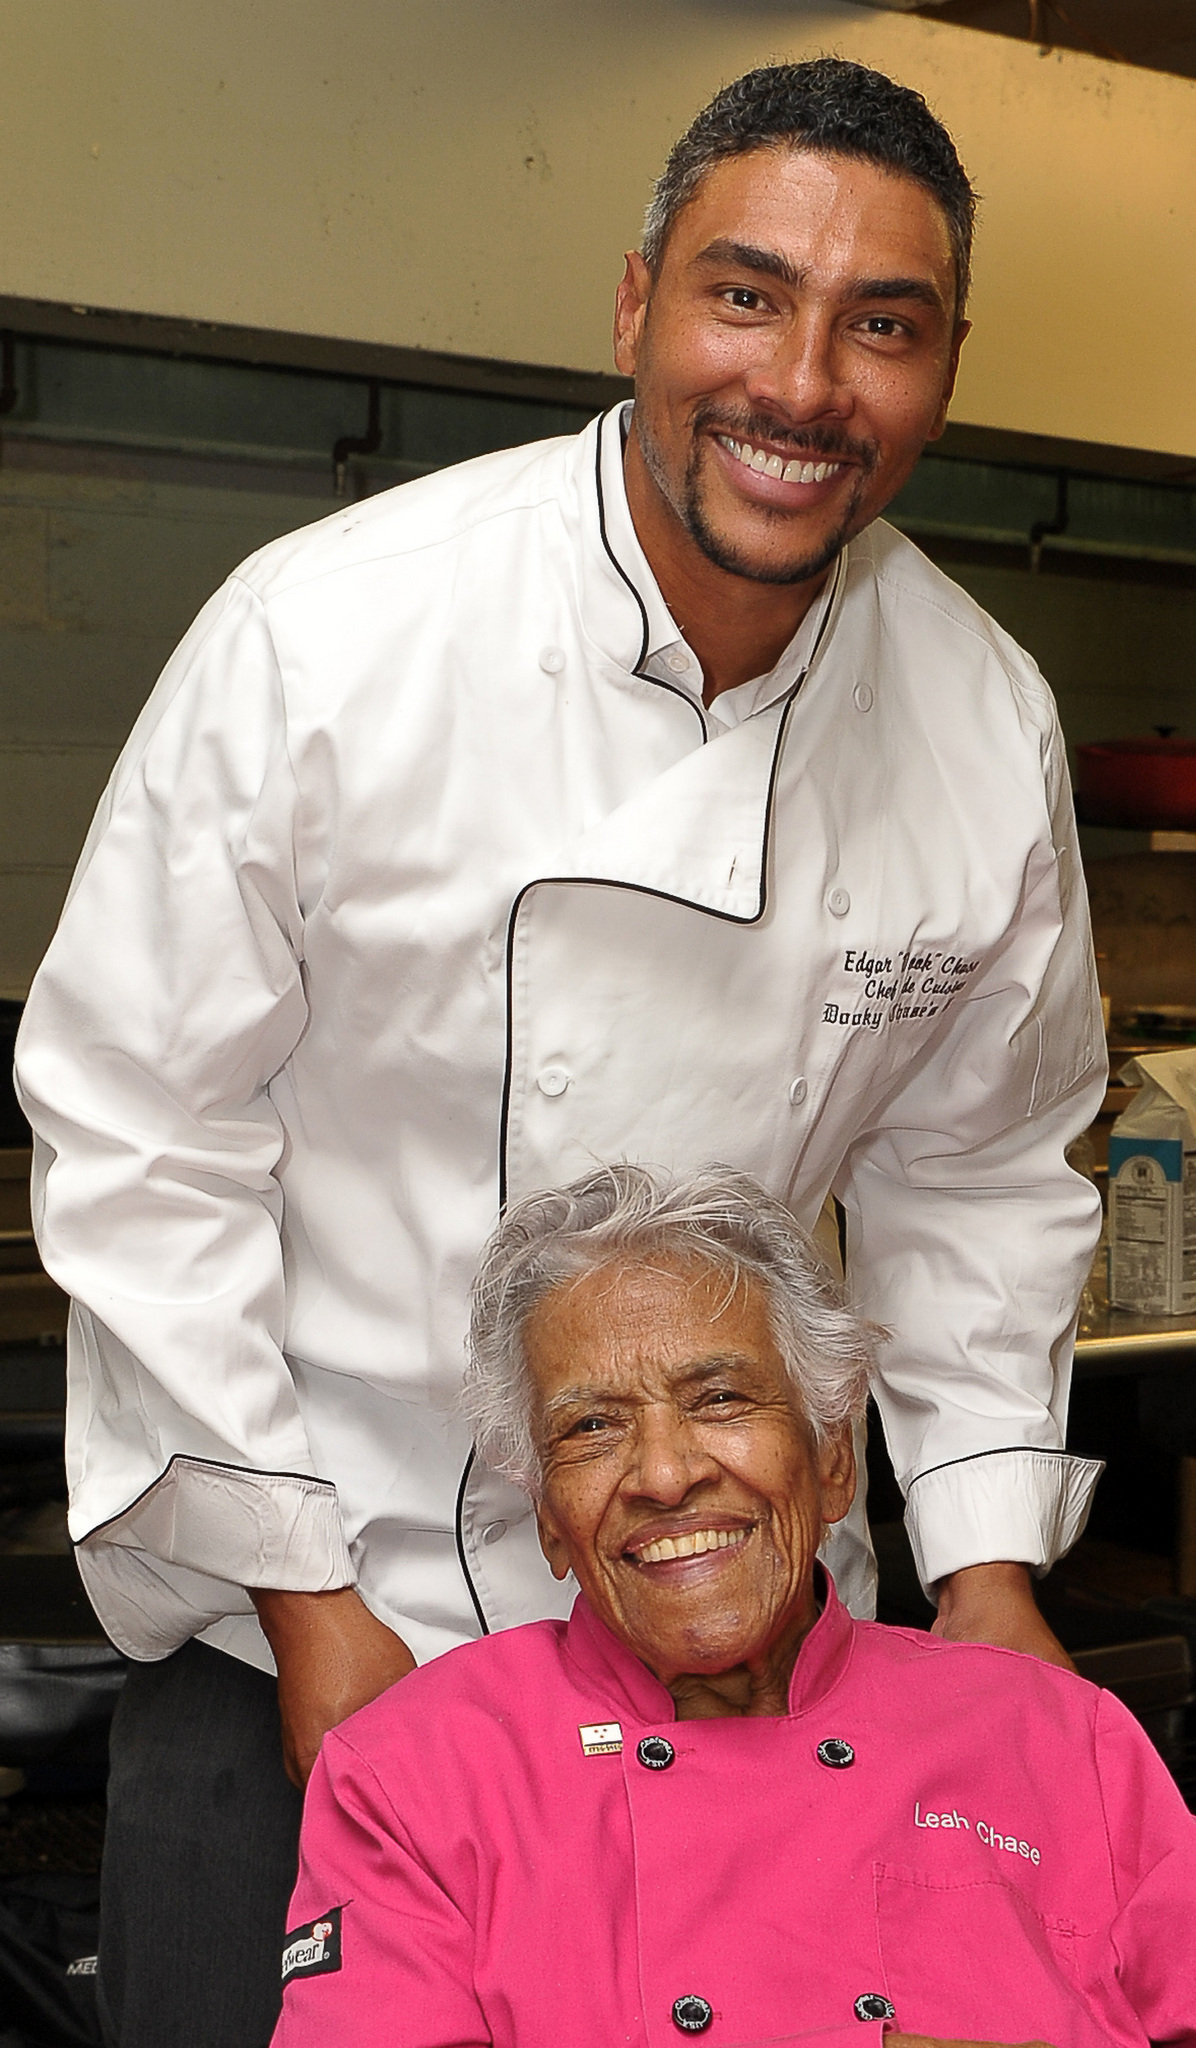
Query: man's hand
333, 1656
994, 1603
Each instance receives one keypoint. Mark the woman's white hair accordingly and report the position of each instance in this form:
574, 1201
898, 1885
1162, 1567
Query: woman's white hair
621, 1215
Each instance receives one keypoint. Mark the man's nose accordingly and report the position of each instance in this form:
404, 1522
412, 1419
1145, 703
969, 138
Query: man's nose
669, 1458
802, 377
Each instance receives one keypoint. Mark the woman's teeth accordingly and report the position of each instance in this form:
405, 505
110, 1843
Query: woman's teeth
771, 465
694, 1543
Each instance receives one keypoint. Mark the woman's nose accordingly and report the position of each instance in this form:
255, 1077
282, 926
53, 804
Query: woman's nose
669, 1458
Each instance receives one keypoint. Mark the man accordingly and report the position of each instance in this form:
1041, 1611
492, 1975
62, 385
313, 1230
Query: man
627, 797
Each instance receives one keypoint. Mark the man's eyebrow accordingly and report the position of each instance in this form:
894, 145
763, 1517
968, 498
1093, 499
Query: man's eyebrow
771, 263
919, 289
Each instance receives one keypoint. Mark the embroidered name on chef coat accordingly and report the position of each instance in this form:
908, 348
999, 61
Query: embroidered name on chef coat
601, 1738
992, 1836
898, 986
313, 1950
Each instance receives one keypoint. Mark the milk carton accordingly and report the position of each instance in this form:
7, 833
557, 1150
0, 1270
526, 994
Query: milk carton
1152, 1188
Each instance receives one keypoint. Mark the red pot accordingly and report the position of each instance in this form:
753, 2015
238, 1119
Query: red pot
1147, 783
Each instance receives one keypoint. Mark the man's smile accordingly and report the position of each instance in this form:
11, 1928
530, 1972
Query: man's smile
793, 471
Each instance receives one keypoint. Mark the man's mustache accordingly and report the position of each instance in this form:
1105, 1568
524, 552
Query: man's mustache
821, 443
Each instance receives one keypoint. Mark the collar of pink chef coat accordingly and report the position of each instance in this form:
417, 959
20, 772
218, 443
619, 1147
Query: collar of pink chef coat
616, 1677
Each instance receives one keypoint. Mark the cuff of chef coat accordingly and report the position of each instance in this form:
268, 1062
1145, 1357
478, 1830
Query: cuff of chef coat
181, 1556
1020, 1506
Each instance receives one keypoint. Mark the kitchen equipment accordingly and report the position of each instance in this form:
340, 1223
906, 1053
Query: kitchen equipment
1147, 782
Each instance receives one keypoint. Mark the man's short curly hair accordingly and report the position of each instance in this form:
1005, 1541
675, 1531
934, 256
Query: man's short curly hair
837, 108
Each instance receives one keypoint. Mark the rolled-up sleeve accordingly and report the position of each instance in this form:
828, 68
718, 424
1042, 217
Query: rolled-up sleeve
170, 997
970, 1237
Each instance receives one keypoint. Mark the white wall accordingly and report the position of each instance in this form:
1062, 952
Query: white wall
461, 175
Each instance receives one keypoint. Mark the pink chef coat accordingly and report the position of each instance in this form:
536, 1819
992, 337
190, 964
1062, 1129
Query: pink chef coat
989, 1844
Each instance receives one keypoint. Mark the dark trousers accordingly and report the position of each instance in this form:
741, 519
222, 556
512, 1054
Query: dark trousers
199, 1857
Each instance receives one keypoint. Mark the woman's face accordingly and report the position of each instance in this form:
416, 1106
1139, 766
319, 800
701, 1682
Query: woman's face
681, 1482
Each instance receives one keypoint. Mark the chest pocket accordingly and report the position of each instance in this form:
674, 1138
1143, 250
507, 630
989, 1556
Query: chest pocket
973, 1960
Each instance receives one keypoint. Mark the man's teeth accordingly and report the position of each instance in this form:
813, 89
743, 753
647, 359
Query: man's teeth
694, 1543
771, 465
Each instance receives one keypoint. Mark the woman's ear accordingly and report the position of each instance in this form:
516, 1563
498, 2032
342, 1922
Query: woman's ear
552, 1544
836, 1473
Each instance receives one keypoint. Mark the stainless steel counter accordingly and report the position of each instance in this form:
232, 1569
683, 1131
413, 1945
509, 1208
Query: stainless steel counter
1116, 1340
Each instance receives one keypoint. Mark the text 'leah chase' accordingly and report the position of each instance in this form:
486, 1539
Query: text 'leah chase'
985, 1832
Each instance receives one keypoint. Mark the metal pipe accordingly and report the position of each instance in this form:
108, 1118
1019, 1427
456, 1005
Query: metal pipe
8, 380
8, 377
364, 444
1059, 524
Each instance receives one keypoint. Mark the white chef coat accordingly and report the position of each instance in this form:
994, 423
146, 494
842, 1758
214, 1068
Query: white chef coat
418, 884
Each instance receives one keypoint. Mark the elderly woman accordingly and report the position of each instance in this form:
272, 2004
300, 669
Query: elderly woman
711, 1803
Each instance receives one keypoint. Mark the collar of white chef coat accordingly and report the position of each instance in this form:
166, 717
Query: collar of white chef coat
699, 831
664, 655
622, 1685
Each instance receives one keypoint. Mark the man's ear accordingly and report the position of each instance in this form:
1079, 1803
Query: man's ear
836, 1474
551, 1543
962, 330
631, 304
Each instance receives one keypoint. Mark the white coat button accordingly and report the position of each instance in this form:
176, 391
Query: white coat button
554, 1080
552, 660
862, 696
492, 1531
838, 903
677, 661
798, 1091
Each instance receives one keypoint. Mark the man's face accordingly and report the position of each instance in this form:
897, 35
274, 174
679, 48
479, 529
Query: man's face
681, 1482
793, 354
